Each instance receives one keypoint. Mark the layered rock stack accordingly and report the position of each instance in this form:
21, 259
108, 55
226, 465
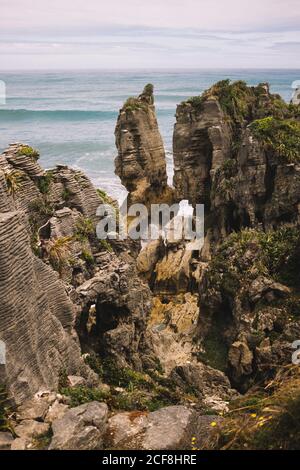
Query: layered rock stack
141, 161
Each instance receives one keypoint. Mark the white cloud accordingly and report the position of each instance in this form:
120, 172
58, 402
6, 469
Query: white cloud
160, 33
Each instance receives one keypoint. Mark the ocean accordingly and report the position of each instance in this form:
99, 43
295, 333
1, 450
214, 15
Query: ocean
70, 116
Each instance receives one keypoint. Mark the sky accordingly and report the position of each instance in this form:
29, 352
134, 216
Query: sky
152, 34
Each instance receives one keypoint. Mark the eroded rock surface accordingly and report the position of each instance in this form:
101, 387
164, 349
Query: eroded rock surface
141, 162
81, 428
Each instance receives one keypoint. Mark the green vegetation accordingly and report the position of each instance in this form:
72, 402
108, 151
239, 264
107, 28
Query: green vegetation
29, 152
80, 395
267, 419
148, 89
236, 99
13, 180
103, 195
66, 194
125, 377
84, 229
105, 245
229, 168
138, 392
59, 251
95, 363
42, 442
216, 351
42, 207
280, 136
197, 102
44, 182
87, 256
277, 255
133, 104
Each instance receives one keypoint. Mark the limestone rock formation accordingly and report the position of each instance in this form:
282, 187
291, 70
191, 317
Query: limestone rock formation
122, 305
48, 248
166, 429
81, 428
201, 143
248, 321
36, 315
223, 158
141, 162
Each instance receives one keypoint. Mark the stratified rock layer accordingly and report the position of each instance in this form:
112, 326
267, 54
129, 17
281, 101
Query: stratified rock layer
36, 316
141, 162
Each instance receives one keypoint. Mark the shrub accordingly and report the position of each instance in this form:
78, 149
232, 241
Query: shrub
280, 136
148, 89
84, 229
66, 194
95, 363
87, 257
105, 245
196, 102
80, 395
29, 152
58, 251
13, 180
44, 182
133, 104
266, 419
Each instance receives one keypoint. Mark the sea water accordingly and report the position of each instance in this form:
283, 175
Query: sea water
70, 116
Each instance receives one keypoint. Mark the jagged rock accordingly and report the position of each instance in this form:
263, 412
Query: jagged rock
175, 272
6, 440
29, 429
75, 381
148, 257
123, 303
141, 162
263, 287
35, 409
210, 384
174, 427
56, 411
170, 428
201, 142
171, 327
81, 428
240, 359
123, 427
38, 334
19, 444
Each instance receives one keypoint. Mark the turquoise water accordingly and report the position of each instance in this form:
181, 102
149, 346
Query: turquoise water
70, 116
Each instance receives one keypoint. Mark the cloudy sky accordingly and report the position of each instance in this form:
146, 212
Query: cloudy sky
114, 34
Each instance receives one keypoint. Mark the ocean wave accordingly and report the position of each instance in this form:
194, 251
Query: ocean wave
64, 114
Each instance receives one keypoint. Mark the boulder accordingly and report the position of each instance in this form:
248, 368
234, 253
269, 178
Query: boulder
81, 428
35, 409
29, 429
170, 428
56, 411
6, 440
19, 444
240, 358
123, 427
